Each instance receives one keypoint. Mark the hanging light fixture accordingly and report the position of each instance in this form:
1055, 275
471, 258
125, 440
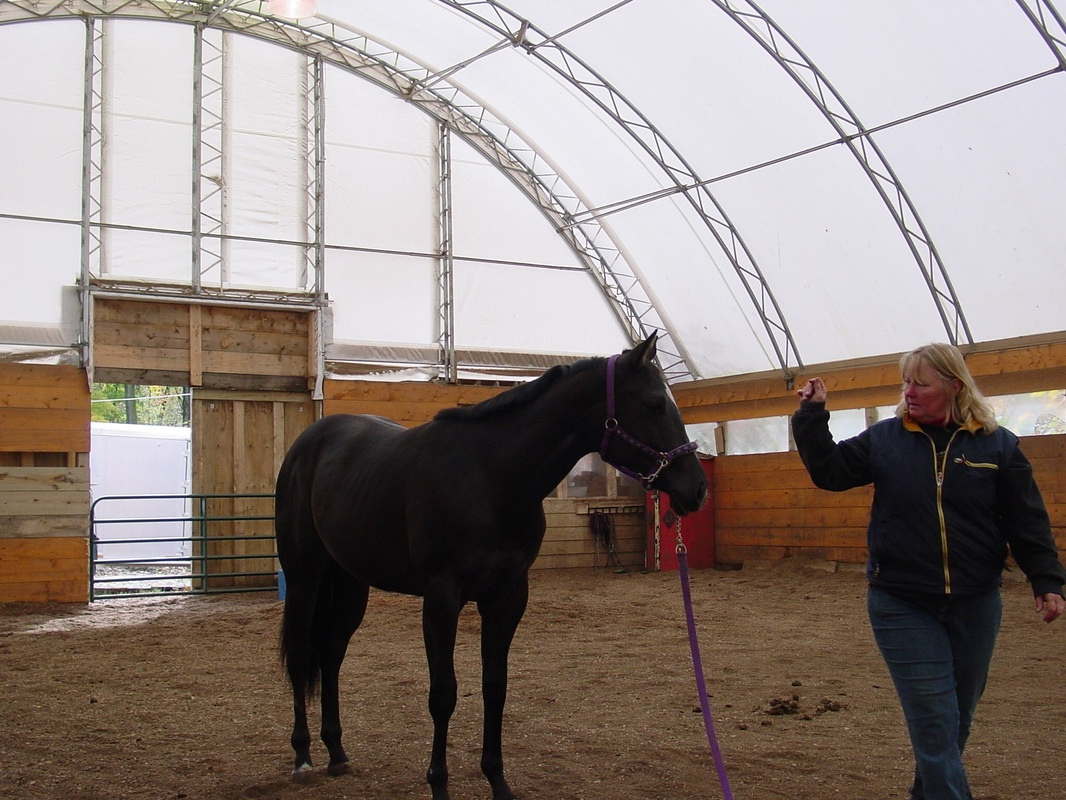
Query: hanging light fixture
292, 9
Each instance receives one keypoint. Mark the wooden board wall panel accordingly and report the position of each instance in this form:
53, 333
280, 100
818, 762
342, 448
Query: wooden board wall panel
766, 507
159, 338
44, 408
239, 441
569, 542
55, 430
729, 555
239, 363
148, 359
19, 395
790, 498
44, 504
1013, 366
20, 527
52, 569
409, 404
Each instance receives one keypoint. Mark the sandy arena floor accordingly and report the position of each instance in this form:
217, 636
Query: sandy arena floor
173, 698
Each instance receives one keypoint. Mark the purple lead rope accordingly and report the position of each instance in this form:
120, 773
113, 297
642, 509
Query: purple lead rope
697, 666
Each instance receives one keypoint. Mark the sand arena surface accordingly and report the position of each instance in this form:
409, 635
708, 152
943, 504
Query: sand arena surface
173, 698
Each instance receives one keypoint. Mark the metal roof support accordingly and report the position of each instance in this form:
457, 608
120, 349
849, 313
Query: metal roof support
208, 159
858, 139
445, 261
92, 171
494, 139
1049, 22
314, 136
614, 104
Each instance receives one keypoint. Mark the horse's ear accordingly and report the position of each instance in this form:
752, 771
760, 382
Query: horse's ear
644, 353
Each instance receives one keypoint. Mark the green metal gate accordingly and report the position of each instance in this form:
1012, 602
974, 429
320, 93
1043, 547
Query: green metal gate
223, 546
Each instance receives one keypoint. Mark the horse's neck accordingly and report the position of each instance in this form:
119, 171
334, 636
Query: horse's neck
553, 433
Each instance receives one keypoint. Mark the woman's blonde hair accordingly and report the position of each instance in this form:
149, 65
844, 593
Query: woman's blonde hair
968, 405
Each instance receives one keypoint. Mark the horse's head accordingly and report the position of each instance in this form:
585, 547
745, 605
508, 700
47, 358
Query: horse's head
644, 436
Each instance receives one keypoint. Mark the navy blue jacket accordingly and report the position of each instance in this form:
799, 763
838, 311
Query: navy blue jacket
947, 503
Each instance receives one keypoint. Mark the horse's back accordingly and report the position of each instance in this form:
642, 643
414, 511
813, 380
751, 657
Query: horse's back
336, 478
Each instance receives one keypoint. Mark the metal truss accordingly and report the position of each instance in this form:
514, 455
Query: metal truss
92, 172
465, 117
1050, 25
209, 168
445, 256
582, 77
862, 145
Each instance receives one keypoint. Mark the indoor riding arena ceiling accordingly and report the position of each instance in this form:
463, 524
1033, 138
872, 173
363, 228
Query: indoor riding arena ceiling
470, 187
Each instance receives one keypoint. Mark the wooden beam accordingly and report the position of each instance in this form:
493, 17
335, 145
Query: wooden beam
196, 346
1011, 366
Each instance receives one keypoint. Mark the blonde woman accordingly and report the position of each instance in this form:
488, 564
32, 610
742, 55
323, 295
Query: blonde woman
953, 493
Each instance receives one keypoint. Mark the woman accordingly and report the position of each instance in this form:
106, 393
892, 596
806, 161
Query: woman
952, 491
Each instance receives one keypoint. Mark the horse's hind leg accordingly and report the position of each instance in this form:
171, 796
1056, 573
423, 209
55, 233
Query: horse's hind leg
342, 603
500, 615
301, 661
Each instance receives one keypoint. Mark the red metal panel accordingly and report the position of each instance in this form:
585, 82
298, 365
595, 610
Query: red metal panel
697, 532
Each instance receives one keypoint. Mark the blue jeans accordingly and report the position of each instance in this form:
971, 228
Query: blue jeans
938, 652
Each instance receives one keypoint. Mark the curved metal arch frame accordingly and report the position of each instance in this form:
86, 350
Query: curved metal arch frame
1049, 24
499, 144
805, 73
858, 139
626, 115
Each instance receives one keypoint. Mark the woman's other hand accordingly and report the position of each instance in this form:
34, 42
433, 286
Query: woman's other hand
814, 391
1050, 605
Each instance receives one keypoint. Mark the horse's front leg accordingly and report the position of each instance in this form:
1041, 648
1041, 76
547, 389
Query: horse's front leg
440, 618
500, 616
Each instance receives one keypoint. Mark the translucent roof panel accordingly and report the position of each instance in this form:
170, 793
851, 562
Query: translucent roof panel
769, 185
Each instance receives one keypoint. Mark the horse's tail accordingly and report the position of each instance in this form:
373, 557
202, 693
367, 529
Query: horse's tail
304, 561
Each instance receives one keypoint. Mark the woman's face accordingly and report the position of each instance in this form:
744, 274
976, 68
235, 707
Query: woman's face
927, 396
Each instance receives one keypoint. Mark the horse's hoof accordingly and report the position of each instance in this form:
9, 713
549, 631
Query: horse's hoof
343, 768
302, 772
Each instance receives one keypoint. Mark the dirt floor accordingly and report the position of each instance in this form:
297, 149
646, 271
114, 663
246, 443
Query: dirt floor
173, 698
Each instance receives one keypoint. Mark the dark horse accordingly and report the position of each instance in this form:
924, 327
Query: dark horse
452, 511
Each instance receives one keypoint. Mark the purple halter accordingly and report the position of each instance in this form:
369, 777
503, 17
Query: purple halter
613, 428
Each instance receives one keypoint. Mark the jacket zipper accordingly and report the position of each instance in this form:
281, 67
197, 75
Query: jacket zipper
941, 468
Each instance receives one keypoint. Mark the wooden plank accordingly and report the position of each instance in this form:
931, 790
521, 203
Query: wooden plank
196, 347
28, 479
53, 569
54, 430
728, 554
44, 504
280, 364
223, 318
1003, 367
63, 380
16, 527
131, 356
43, 408
409, 403
75, 590
34, 397
797, 499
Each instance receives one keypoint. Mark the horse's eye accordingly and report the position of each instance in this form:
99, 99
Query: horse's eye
655, 408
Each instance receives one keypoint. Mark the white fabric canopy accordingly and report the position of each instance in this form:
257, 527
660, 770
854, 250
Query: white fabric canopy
798, 182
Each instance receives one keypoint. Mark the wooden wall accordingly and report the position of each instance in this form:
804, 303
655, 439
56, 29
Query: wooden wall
44, 484
765, 506
258, 365
239, 441
217, 347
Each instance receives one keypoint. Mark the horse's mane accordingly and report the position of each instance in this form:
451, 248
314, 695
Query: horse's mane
522, 395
